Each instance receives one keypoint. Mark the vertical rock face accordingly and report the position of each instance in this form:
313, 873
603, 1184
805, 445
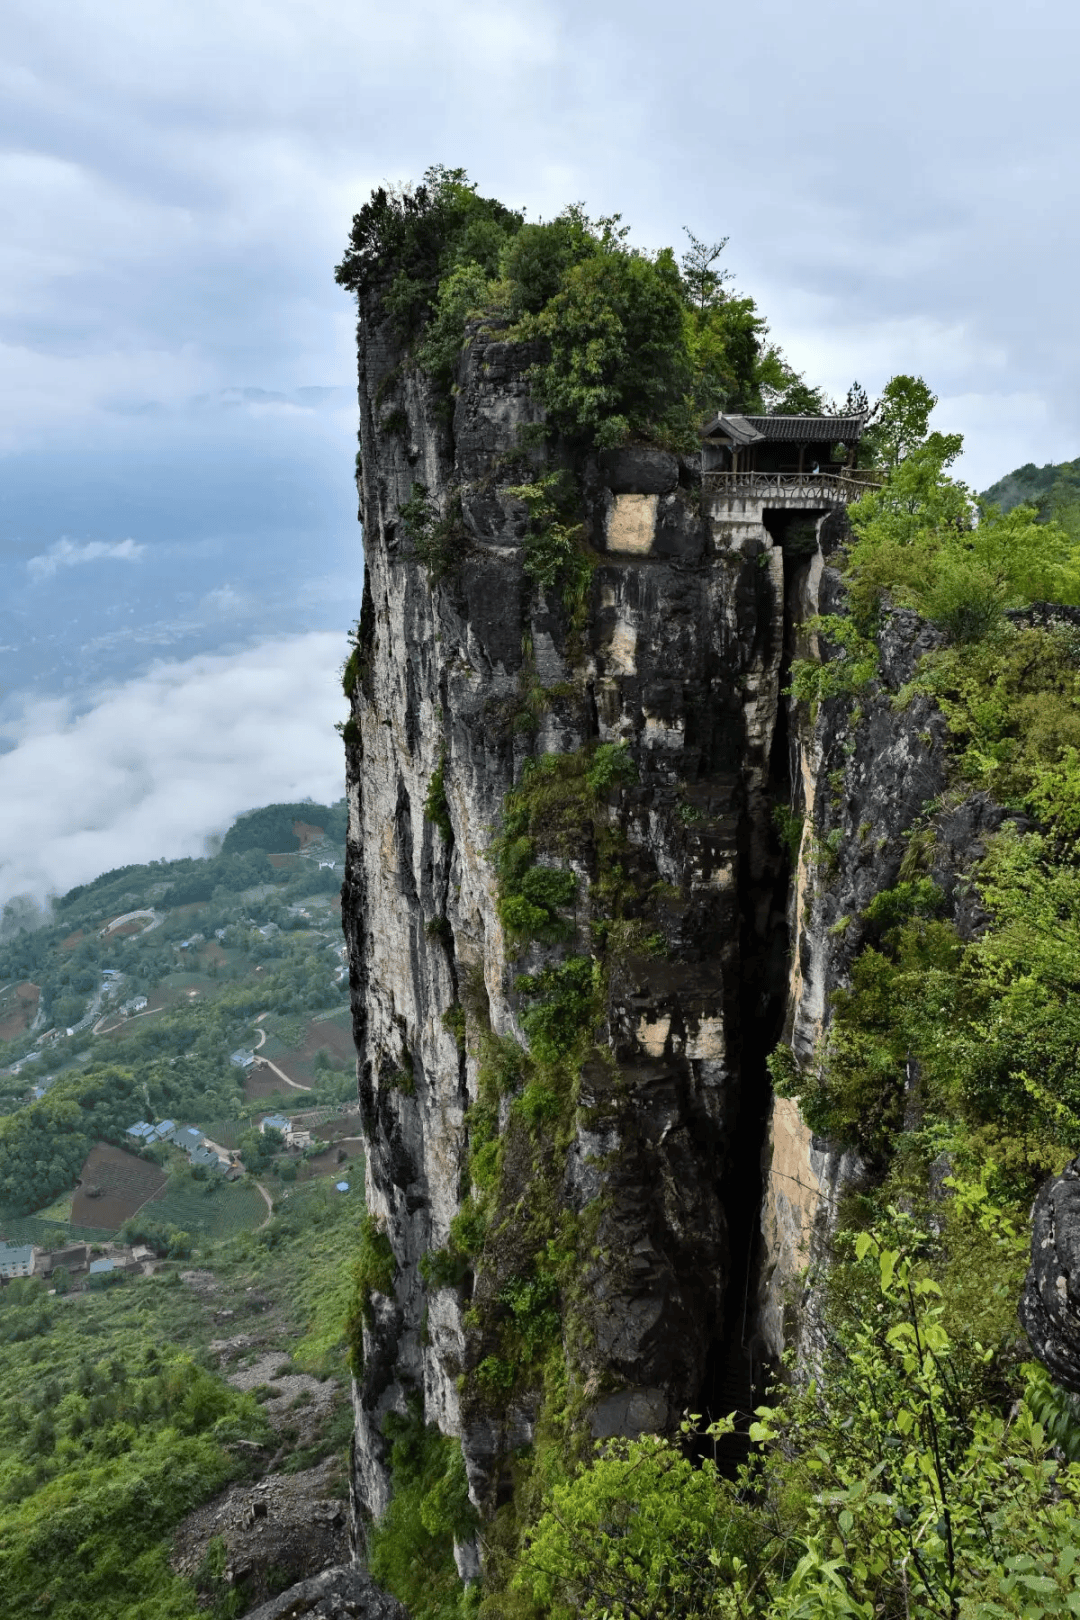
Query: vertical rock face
862, 778
462, 681
465, 669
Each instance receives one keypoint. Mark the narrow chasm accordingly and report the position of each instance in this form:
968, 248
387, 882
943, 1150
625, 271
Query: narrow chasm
739, 1365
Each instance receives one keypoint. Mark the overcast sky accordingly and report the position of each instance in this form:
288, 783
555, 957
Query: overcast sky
177, 177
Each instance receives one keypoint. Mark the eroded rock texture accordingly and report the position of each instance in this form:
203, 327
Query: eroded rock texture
677, 1158
679, 656
344, 1592
1050, 1307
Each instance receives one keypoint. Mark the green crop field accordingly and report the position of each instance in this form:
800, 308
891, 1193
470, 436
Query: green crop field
226, 1132
51, 1234
210, 1209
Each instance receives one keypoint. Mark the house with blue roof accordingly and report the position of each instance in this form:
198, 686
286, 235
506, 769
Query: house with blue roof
16, 1259
207, 1158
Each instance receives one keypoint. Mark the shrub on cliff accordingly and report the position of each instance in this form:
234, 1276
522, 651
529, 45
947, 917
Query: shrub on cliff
634, 344
405, 241
922, 539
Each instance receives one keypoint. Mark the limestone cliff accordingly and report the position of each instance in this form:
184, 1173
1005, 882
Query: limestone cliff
644, 1222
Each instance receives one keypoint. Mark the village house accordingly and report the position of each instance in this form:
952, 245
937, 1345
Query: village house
146, 1133
16, 1260
114, 1262
75, 1257
207, 1158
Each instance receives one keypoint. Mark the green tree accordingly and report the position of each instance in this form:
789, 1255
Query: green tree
615, 331
921, 538
899, 421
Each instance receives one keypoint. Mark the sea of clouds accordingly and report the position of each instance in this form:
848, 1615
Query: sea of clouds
152, 767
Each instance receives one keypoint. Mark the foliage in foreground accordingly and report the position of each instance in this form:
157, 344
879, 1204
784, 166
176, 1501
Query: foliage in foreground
896, 1485
102, 1451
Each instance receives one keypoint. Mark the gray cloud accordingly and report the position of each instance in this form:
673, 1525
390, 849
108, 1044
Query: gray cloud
68, 554
156, 765
899, 187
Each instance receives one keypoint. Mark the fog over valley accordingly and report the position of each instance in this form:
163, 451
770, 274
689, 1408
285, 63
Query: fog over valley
150, 767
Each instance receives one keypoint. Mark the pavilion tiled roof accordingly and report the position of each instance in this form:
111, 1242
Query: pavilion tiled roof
786, 429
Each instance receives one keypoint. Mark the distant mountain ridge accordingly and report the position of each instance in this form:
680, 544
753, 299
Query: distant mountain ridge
240, 862
1054, 489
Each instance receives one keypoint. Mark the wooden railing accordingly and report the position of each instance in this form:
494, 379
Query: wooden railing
833, 487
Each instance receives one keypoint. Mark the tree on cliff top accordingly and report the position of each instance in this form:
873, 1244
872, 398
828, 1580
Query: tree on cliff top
406, 239
635, 345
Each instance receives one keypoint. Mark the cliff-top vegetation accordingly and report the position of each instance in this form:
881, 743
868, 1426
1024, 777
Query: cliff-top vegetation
633, 343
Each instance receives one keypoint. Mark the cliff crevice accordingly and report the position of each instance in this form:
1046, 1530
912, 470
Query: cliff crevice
599, 1214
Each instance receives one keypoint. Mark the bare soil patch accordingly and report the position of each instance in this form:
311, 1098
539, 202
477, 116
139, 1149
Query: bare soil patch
112, 1186
307, 833
284, 862
335, 1160
264, 1083
19, 1006
72, 940
332, 1130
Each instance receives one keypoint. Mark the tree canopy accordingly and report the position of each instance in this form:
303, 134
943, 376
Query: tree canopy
635, 343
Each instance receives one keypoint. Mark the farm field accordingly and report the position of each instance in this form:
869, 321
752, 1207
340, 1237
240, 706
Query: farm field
331, 1035
338, 1159
225, 1132
210, 1210
113, 1185
335, 1128
49, 1234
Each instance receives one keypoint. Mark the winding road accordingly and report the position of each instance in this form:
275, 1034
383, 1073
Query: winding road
279, 1072
269, 1207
